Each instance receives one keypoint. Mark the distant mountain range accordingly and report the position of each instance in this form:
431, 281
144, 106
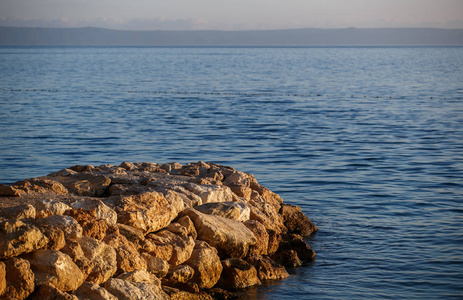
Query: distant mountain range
91, 36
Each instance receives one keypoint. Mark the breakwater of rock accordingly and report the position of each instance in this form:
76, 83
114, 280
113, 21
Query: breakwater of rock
145, 231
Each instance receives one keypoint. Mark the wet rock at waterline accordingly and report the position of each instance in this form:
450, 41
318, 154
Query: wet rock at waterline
145, 230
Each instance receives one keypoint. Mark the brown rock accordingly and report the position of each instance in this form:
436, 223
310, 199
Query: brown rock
267, 269
287, 258
176, 294
2, 278
17, 237
269, 196
91, 225
295, 242
56, 240
19, 279
83, 168
102, 256
238, 211
127, 256
295, 221
206, 265
127, 165
261, 235
74, 250
184, 226
85, 184
55, 268
180, 273
49, 292
133, 235
189, 198
240, 179
182, 246
126, 290
211, 193
70, 227
156, 266
126, 189
8, 191
218, 293
274, 240
98, 209
92, 291
267, 214
141, 276
147, 212
40, 185
242, 191
237, 274
25, 211
46, 208
230, 237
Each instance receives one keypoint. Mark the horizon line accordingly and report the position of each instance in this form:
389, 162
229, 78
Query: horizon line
237, 30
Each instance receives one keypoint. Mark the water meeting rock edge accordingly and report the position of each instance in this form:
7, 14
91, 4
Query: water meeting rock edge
145, 231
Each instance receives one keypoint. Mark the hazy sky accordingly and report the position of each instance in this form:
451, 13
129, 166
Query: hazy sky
233, 14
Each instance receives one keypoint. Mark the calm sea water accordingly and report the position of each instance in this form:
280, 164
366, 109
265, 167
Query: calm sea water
382, 177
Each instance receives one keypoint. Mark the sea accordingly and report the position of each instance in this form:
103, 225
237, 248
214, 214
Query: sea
368, 141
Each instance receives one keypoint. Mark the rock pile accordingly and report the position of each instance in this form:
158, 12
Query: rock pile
145, 231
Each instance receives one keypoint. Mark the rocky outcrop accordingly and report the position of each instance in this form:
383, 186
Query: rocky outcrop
145, 231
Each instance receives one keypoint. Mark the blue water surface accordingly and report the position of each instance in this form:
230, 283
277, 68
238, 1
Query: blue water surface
368, 141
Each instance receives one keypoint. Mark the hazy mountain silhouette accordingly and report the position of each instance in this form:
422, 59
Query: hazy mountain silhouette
91, 36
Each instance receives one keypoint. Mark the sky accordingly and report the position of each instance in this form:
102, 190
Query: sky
232, 14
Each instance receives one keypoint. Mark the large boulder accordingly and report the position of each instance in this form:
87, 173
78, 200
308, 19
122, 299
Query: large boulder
147, 212
267, 269
156, 266
50, 292
128, 258
70, 227
103, 258
92, 291
19, 279
18, 237
296, 243
9, 191
238, 274
74, 250
295, 221
138, 285
49, 207
206, 265
56, 239
55, 268
231, 238
91, 225
181, 245
101, 210
84, 184
261, 234
211, 193
25, 211
180, 273
266, 213
238, 211
40, 185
